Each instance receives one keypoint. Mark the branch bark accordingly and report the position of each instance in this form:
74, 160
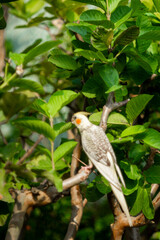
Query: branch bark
76, 197
108, 108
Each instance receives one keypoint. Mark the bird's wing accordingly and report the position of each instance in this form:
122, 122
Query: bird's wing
100, 153
100, 149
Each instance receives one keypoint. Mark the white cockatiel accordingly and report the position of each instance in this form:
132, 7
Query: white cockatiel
100, 152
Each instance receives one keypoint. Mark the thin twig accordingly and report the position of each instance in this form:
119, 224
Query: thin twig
150, 160
52, 144
154, 189
108, 14
29, 152
79, 160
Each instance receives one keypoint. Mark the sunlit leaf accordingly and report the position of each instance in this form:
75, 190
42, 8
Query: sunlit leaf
96, 17
132, 130
127, 36
101, 38
27, 84
136, 105
64, 149
63, 61
40, 49
37, 126
62, 127
60, 99
101, 4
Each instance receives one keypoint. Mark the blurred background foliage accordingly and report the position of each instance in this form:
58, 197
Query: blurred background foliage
74, 53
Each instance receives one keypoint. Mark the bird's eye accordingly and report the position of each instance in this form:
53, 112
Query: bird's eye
74, 118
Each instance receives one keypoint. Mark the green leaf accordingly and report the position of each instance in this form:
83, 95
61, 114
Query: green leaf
4, 187
152, 174
62, 127
114, 88
10, 150
157, 5
40, 49
113, 4
33, 6
122, 140
136, 105
101, 4
138, 204
102, 186
63, 61
1, 12
117, 118
92, 193
2, 23
137, 151
3, 219
64, 149
82, 28
132, 186
147, 207
150, 137
145, 61
114, 118
121, 15
150, 33
91, 88
41, 106
143, 202
12, 103
91, 55
59, 99
17, 58
41, 162
96, 17
37, 126
132, 130
26, 84
127, 36
54, 177
131, 170
109, 75
101, 38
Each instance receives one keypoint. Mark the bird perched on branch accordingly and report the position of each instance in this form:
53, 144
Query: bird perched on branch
100, 153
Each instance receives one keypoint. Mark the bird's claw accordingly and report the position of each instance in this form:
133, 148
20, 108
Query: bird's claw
86, 168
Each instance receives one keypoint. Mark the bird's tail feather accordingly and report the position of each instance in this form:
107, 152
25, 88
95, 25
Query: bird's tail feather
122, 201
107, 172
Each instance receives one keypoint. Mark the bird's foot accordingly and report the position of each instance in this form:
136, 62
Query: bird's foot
87, 168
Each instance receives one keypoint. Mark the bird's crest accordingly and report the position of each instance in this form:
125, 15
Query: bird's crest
83, 113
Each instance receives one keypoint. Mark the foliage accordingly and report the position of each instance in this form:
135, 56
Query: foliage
95, 51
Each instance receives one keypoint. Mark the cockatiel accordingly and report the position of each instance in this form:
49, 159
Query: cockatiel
100, 152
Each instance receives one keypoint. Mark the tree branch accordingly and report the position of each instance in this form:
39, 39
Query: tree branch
109, 107
76, 197
45, 194
29, 152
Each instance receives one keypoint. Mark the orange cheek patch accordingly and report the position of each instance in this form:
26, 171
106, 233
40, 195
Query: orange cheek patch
78, 121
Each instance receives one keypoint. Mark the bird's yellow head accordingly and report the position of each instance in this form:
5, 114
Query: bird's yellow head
80, 119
